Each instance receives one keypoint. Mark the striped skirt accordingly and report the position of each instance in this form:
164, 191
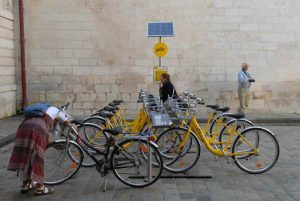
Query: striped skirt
30, 145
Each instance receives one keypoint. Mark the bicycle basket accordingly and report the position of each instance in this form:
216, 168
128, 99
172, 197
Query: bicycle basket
160, 120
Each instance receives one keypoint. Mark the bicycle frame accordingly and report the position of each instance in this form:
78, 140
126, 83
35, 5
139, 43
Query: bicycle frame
211, 117
110, 142
195, 128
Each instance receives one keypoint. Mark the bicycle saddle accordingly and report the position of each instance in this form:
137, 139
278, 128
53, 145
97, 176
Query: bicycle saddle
77, 122
223, 109
152, 104
110, 109
236, 115
183, 105
214, 107
106, 114
113, 104
112, 131
118, 101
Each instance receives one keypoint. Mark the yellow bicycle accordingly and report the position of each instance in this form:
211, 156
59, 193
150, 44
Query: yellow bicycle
254, 150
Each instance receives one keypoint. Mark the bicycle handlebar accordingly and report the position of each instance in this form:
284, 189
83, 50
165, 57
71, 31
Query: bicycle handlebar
65, 106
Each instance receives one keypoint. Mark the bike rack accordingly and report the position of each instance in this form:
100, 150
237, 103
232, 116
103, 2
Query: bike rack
177, 177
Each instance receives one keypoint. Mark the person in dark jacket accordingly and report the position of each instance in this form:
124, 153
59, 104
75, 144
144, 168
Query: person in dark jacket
167, 89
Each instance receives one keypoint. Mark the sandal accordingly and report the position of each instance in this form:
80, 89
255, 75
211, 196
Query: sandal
43, 191
26, 188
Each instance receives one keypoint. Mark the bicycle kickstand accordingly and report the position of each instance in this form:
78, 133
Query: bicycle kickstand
216, 158
104, 185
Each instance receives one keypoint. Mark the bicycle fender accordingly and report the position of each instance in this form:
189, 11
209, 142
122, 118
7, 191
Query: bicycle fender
258, 127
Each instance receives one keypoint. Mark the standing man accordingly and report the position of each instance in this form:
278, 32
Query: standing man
244, 85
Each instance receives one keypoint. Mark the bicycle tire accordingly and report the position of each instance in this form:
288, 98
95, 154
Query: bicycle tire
62, 144
213, 123
237, 158
222, 133
87, 161
99, 121
116, 152
183, 152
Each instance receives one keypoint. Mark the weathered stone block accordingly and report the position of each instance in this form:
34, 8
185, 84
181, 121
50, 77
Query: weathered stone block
51, 79
88, 61
102, 88
71, 61
223, 3
111, 96
82, 70
101, 97
63, 70
77, 106
52, 61
64, 52
78, 53
82, 97
88, 105
6, 43
8, 101
72, 44
93, 97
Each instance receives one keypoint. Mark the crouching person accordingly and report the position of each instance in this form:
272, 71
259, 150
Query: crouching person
30, 144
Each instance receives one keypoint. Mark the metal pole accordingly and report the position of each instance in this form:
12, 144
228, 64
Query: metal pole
160, 57
159, 64
22, 47
150, 163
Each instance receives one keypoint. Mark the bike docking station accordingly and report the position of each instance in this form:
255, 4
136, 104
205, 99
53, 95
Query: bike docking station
162, 119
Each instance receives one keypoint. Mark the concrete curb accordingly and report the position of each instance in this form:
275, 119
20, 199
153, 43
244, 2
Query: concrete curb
7, 140
268, 121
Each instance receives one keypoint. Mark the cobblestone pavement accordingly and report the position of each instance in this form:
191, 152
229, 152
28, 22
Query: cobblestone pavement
229, 183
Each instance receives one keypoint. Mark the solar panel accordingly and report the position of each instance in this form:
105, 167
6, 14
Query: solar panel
164, 29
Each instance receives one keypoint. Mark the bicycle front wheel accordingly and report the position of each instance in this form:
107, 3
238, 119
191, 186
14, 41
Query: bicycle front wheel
253, 157
240, 124
62, 161
178, 159
96, 138
91, 129
131, 167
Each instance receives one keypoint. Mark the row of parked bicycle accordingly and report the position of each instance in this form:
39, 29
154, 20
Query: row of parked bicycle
162, 136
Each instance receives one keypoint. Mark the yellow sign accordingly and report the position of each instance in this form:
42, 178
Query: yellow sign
157, 71
160, 49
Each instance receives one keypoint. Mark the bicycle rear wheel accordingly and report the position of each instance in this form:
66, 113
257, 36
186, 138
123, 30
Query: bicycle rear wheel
214, 125
59, 163
131, 167
264, 158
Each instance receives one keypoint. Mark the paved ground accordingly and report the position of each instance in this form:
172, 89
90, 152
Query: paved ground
9, 125
229, 183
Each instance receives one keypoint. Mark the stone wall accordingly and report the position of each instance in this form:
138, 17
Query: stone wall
7, 61
94, 51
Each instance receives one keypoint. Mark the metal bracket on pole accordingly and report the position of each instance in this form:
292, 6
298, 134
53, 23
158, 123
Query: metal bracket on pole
149, 176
